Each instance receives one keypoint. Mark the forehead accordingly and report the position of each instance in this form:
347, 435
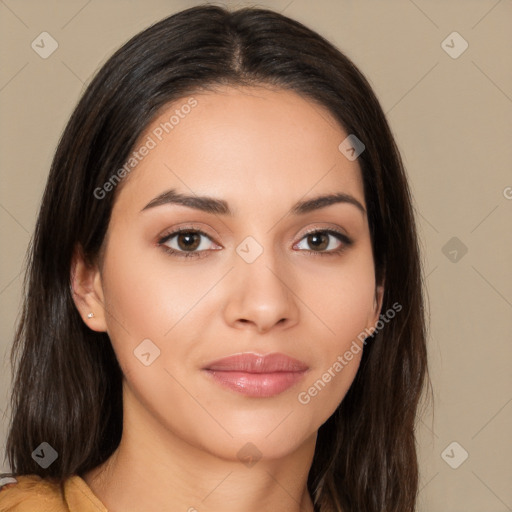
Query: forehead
253, 146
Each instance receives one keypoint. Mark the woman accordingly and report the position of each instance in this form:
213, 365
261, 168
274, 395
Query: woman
224, 304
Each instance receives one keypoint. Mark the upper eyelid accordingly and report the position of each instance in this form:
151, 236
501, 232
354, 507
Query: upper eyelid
177, 231
329, 229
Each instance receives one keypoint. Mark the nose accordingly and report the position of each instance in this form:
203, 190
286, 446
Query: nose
260, 295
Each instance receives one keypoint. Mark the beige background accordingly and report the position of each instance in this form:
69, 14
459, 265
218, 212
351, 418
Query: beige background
452, 121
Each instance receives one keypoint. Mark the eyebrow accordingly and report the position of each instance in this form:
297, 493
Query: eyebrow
221, 207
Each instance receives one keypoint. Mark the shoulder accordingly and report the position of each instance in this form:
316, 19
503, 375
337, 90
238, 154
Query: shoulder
26, 493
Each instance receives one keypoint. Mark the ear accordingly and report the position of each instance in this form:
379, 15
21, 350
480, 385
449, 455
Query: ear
87, 291
377, 306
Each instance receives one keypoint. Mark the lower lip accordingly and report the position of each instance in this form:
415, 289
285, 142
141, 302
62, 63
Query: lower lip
261, 385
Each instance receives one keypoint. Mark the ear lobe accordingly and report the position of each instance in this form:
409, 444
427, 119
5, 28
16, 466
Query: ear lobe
379, 296
377, 304
87, 291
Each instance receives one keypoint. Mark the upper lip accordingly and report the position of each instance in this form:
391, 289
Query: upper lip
257, 363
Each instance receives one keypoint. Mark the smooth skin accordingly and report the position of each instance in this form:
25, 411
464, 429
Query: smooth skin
261, 150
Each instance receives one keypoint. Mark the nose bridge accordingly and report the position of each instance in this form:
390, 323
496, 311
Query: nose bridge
262, 293
262, 265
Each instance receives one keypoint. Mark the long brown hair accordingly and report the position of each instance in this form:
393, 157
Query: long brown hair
67, 385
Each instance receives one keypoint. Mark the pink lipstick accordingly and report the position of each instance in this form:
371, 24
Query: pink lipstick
257, 375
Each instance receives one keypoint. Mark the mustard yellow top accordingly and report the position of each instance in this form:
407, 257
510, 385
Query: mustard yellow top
31, 493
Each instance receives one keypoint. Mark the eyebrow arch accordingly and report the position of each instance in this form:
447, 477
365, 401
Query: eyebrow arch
326, 200
206, 204
221, 207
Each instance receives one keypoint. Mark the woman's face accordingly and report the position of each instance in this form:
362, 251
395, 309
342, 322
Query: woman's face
247, 277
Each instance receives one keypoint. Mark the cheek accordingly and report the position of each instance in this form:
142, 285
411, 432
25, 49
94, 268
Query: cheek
146, 292
341, 298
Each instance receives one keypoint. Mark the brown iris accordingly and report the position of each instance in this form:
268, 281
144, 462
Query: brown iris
188, 240
315, 240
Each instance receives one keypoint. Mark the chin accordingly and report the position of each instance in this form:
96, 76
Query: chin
260, 440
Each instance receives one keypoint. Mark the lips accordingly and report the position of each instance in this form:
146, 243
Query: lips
255, 363
257, 375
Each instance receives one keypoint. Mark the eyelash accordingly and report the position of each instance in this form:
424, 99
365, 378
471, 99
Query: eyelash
347, 242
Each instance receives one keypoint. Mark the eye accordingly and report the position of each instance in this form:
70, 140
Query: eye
325, 242
186, 242
189, 242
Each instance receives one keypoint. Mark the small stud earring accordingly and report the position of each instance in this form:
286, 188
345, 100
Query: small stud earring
90, 315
